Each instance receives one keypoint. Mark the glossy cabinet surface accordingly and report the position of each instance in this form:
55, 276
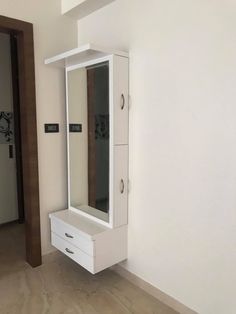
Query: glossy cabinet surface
93, 229
88, 244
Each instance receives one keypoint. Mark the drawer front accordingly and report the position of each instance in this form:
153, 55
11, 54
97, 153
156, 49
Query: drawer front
73, 252
67, 233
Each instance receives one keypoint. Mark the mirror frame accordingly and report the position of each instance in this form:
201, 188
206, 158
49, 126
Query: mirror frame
108, 59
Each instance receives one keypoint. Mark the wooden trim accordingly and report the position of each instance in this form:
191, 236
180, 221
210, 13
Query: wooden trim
155, 292
25, 46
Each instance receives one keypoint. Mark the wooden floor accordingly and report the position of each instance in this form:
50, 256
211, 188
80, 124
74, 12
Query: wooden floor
61, 286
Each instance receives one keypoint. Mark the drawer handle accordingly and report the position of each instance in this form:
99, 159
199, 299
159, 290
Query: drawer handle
122, 186
69, 236
122, 105
69, 251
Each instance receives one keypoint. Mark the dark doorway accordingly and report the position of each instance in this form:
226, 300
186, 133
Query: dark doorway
24, 103
17, 128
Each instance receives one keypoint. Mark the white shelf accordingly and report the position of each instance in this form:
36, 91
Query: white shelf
80, 8
82, 54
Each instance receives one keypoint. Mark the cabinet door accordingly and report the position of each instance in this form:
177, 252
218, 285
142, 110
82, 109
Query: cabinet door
120, 99
120, 187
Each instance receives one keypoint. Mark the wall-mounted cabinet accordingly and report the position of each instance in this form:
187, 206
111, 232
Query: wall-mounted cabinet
95, 221
81, 8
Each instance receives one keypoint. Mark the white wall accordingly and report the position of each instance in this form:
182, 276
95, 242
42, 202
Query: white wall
52, 34
182, 205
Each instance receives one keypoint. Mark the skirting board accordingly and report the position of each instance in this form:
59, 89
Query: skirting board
51, 257
155, 292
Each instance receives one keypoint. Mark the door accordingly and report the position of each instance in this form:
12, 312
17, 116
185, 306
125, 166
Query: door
26, 113
8, 182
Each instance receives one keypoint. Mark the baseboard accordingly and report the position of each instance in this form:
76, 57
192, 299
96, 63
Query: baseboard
155, 292
51, 257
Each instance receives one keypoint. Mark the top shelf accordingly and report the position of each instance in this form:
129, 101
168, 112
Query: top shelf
82, 54
80, 8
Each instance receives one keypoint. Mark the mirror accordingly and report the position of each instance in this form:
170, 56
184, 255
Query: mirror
88, 139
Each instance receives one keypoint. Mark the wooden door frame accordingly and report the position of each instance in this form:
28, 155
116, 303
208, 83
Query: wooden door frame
23, 31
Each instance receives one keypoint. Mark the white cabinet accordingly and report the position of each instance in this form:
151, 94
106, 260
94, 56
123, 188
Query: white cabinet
91, 245
120, 84
93, 229
71, 234
120, 192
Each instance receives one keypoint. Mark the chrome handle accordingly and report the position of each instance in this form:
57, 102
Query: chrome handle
122, 186
69, 251
122, 104
69, 236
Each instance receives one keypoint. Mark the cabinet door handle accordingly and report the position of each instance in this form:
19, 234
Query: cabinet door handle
122, 186
68, 235
122, 104
69, 251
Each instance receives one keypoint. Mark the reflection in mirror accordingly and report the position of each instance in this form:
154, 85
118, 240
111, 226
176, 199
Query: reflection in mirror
88, 116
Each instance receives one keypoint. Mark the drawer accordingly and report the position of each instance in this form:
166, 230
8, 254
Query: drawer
73, 252
68, 233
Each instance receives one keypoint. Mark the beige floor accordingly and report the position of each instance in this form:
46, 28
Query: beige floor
61, 286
